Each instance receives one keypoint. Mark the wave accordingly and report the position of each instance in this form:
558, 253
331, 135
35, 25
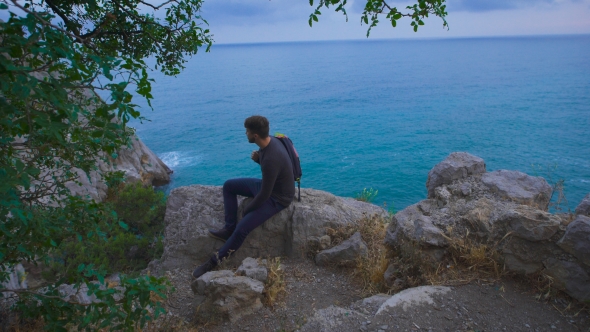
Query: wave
179, 159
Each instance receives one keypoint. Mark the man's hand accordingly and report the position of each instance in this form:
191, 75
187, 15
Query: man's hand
254, 156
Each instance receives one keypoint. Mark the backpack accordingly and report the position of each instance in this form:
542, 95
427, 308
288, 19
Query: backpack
294, 156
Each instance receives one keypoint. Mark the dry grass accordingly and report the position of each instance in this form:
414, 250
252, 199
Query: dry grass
275, 284
370, 269
411, 265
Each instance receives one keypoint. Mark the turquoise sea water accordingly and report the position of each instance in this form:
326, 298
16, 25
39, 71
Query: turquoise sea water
380, 114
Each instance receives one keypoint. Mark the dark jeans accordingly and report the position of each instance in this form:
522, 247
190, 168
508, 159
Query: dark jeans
244, 187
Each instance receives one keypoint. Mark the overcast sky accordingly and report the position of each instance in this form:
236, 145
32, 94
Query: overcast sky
250, 21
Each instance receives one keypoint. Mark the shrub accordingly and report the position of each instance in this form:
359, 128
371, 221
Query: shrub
125, 241
367, 195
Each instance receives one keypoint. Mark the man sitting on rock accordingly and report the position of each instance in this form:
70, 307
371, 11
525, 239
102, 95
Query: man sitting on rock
271, 194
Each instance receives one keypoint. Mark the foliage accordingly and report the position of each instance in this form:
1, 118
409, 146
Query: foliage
367, 195
374, 8
122, 249
54, 59
275, 284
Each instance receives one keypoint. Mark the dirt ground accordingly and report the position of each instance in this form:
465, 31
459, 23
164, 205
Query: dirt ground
504, 305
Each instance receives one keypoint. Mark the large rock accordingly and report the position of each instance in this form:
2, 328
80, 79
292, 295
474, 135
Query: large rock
458, 165
252, 269
412, 224
231, 297
191, 211
569, 277
412, 297
526, 257
138, 162
584, 207
529, 223
344, 254
576, 240
519, 187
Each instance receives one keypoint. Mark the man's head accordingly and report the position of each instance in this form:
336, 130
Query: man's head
256, 126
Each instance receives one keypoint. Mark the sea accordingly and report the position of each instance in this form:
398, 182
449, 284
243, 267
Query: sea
380, 114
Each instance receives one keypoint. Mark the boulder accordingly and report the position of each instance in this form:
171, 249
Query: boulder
458, 165
332, 318
137, 161
228, 296
519, 187
529, 223
584, 207
526, 257
192, 210
411, 224
370, 305
252, 269
413, 296
576, 240
344, 254
569, 277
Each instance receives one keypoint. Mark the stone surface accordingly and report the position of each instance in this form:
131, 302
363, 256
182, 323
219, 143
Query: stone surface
458, 165
252, 269
576, 240
529, 223
344, 254
413, 296
526, 257
519, 187
412, 224
584, 207
192, 210
228, 296
138, 162
569, 277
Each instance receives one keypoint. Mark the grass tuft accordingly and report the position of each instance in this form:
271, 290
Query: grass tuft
275, 284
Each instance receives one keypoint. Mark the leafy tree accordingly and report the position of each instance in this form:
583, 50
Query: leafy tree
374, 8
56, 56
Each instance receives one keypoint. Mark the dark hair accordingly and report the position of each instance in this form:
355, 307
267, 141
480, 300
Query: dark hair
257, 125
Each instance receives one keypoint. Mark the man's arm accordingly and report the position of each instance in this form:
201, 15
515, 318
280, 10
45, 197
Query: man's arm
269, 177
255, 156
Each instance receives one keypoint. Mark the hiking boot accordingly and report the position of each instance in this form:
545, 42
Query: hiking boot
221, 234
202, 269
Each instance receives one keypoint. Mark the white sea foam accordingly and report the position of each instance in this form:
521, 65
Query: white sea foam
179, 159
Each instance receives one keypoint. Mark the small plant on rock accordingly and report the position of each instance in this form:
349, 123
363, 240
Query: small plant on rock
367, 195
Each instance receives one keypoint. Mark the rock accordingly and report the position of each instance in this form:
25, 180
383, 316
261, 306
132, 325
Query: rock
325, 242
251, 269
141, 164
576, 240
529, 223
370, 305
526, 257
426, 233
519, 187
332, 318
389, 275
584, 207
191, 211
411, 224
138, 162
344, 254
413, 296
569, 277
442, 195
458, 165
228, 296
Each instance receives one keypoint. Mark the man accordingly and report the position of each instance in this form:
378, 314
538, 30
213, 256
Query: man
271, 194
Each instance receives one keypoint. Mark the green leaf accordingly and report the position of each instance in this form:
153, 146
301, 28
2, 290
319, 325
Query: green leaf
311, 2
124, 225
4, 6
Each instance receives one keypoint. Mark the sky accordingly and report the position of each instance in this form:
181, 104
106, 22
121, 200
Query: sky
259, 21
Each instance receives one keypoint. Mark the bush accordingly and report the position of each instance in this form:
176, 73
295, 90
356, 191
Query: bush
125, 241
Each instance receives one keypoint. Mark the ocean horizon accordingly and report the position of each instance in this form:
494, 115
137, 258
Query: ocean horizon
380, 113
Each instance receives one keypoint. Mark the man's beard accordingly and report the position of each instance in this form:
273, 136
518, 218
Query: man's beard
251, 140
